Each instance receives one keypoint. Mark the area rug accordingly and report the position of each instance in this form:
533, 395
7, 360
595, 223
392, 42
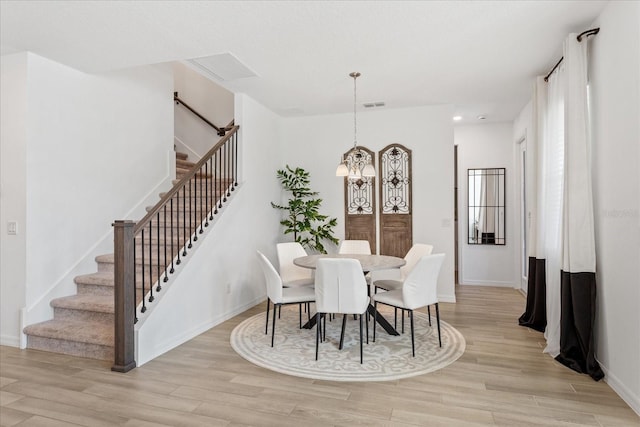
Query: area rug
389, 358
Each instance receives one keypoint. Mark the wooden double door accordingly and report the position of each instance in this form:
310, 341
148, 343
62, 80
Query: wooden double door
394, 210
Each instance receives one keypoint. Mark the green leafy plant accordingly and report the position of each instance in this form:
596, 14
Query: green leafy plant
303, 219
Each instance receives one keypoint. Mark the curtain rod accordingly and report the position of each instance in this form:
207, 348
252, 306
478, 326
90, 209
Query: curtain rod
591, 32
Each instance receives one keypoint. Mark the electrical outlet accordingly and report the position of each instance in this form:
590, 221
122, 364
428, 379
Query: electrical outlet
12, 227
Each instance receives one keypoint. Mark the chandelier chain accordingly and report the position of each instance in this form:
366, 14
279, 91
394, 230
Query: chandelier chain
355, 122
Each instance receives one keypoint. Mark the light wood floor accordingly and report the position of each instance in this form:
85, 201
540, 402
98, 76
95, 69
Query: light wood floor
502, 379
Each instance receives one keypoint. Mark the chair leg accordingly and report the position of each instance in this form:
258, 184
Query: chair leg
318, 327
273, 327
438, 321
413, 346
324, 330
279, 311
395, 317
308, 306
366, 318
344, 323
429, 312
375, 319
402, 320
266, 325
300, 315
361, 339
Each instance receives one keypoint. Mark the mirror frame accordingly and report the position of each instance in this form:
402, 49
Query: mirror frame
498, 237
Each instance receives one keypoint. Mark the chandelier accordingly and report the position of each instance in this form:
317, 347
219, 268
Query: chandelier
356, 163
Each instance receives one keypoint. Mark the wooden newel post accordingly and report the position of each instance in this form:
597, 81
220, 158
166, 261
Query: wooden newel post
124, 296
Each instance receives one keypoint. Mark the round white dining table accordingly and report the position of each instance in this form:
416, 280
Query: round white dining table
368, 262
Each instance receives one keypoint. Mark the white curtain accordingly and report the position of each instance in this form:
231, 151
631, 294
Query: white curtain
550, 197
564, 234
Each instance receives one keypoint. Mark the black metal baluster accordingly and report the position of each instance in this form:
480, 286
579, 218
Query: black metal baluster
177, 215
184, 221
159, 274
212, 193
151, 298
235, 158
200, 194
173, 241
166, 270
229, 170
218, 180
206, 194
144, 305
135, 287
191, 235
225, 171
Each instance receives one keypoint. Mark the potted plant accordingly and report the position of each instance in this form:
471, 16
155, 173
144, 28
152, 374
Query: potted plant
303, 219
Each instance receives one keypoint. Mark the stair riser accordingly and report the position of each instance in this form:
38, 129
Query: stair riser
108, 267
73, 348
60, 313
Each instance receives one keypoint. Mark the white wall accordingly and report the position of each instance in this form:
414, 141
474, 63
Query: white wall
222, 277
487, 145
96, 148
13, 187
193, 136
615, 95
317, 143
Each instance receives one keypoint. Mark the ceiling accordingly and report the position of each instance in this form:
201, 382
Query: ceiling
480, 56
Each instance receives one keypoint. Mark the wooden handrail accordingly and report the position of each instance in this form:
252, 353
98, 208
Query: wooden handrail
221, 130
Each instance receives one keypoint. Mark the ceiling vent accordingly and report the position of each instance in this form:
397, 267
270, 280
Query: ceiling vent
224, 67
378, 104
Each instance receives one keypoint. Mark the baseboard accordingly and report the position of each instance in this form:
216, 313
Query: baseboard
9, 341
621, 389
163, 347
487, 283
447, 298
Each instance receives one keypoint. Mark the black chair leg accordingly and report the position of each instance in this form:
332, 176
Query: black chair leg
273, 327
344, 323
413, 346
318, 326
361, 339
266, 325
429, 312
402, 320
367, 322
300, 315
279, 311
395, 317
438, 321
375, 319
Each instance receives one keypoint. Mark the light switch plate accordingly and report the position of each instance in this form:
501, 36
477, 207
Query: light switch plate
12, 227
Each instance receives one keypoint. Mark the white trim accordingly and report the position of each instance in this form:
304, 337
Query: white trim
447, 298
165, 346
9, 341
184, 146
622, 390
489, 283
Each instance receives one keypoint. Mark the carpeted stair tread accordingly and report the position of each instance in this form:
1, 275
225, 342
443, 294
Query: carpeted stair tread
110, 259
103, 279
70, 330
184, 164
181, 156
86, 302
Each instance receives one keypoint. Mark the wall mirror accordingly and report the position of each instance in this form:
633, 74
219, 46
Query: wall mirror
486, 203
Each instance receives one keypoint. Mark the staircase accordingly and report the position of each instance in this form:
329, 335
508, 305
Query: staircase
83, 324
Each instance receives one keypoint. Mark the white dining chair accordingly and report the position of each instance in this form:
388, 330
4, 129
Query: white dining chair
340, 288
418, 290
355, 247
279, 295
392, 279
293, 276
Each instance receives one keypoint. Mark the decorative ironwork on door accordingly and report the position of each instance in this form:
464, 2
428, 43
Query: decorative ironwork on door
360, 201
396, 219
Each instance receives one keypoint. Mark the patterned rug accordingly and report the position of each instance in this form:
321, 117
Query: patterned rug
389, 358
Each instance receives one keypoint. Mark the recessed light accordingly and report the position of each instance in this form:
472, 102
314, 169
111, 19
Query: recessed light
457, 118
481, 117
